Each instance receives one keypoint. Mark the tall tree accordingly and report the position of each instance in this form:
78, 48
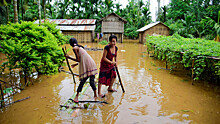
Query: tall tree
44, 8
39, 11
15, 11
158, 8
4, 11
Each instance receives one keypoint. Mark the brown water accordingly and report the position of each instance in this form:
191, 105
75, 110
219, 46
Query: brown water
153, 95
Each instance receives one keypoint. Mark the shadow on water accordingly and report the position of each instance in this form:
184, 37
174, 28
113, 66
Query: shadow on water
152, 95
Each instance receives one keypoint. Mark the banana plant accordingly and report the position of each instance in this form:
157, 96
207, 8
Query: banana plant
4, 8
217, 28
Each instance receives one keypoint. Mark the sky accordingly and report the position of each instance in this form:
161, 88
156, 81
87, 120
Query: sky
153, 6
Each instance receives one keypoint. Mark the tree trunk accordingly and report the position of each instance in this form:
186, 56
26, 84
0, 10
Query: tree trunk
22, 9
158, 11
39, 12
164, 13
18, 1
7, 14
44, 7
15, 11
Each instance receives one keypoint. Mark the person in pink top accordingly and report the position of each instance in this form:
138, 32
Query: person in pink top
107, 72
87, 66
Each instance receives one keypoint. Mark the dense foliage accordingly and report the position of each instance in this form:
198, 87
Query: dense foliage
189, 18
136, 12
192, 18
30, 47
56, 32
176, 49
104, 42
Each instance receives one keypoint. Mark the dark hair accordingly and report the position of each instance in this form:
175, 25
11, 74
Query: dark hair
73, 42
111, 37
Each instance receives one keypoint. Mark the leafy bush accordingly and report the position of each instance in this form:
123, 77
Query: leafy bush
104, 42
131, 32
175, 49
30, 47
56, 32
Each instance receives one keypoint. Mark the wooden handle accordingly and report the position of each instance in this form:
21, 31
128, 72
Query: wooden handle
69, 66
116, 68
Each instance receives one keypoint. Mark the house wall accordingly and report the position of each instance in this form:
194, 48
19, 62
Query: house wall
158, 30
81, 36
112, 24
118, 35
141, 37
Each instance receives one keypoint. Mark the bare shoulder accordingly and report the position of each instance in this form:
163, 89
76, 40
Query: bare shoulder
76, 48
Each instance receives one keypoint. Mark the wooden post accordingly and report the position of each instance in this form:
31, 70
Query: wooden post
25, 78
2, 95
69, 66
166, 65
116, 68
192, 68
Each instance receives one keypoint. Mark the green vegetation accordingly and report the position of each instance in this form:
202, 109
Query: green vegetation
31, 48
136, 12
192, 18
56, 32
176, 49
104, 42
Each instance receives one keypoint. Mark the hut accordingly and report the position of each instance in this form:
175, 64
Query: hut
113, 24
81, 29
156, 28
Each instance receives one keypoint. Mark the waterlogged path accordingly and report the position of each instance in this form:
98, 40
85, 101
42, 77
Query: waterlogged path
153, 95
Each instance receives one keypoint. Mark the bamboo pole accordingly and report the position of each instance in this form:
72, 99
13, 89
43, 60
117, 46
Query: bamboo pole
192, 68
116, 68
89, 101
2, 95
166, 65
69, 66
19, 100
70, 110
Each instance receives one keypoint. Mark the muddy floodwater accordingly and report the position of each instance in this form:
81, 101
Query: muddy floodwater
152, 95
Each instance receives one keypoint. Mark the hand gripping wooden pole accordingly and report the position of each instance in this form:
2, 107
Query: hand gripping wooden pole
67, 61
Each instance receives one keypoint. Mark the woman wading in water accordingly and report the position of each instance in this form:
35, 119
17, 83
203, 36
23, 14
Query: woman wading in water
107, 72
87, 67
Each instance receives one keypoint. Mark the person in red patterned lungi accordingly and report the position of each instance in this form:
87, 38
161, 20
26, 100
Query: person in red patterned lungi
107, 72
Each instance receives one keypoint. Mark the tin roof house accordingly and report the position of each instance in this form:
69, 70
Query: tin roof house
81, 29
113, 24
156, 28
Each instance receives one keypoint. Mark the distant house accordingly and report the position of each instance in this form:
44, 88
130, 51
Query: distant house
81, 29
156, 28
113, 24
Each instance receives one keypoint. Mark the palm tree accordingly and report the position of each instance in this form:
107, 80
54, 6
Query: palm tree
158, 11
44, 7
15, 11
39, 12
4, 9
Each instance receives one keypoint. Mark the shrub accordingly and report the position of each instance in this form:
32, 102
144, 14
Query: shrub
104, 42
56, 32
30, 47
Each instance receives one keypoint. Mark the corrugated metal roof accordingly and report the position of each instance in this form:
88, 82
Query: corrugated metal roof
125, 21
77, 28
149, 26
71, 21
